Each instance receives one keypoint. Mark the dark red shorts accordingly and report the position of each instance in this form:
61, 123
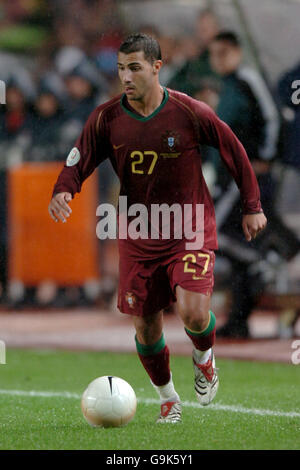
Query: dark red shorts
146, 287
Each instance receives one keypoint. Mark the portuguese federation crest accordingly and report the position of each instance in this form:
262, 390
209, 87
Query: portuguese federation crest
170, 141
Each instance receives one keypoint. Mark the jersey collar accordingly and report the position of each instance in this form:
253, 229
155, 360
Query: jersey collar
138, 117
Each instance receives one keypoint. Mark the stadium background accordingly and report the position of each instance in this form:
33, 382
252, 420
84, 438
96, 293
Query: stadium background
54, 293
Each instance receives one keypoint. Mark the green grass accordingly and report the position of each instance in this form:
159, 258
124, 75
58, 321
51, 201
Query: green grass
57, 423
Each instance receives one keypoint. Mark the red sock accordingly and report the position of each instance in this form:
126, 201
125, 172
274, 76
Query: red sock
155, 359
205, 339
203, 343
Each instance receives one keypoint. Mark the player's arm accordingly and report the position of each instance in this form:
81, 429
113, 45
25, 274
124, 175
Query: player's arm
89, 151
219, 135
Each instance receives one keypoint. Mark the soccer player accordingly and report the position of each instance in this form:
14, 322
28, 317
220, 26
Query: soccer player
152, 136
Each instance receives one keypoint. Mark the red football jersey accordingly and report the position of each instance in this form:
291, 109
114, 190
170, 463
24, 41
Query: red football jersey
157, 159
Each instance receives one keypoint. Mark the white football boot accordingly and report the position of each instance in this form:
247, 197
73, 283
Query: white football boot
206, 380
170, 412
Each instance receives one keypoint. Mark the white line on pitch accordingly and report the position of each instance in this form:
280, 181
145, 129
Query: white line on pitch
153, 401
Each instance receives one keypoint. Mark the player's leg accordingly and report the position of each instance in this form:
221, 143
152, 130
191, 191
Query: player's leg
151, 347
191, 278
154, 355
199, 321
143, 292
200, 326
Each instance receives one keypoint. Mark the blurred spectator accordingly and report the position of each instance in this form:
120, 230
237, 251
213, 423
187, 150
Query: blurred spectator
14, 122
247, 106
291, 111
83, 95
196, 68
243, 89
46, 122
288, 92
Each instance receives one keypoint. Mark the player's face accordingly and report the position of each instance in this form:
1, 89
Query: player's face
224, 57
137, 75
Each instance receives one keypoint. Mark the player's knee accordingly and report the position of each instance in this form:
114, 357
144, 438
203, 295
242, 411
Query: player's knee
193, 308
195, 318
148, 330
146, 336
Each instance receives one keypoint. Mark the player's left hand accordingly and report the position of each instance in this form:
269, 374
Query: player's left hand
253, 224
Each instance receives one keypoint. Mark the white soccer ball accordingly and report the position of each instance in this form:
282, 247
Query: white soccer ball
108, 401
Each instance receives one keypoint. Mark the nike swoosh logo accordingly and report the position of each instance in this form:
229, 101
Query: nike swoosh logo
116, 147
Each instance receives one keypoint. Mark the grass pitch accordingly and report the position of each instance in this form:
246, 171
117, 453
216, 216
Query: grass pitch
257, 405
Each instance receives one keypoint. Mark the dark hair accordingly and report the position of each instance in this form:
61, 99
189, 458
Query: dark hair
142, 42
228, 36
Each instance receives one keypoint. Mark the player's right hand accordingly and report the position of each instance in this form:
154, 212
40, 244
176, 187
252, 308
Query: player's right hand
59, 208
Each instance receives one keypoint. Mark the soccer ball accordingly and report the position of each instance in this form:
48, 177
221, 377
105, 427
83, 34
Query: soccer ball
108, 402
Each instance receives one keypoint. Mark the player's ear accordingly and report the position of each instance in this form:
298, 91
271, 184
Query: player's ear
157, 65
